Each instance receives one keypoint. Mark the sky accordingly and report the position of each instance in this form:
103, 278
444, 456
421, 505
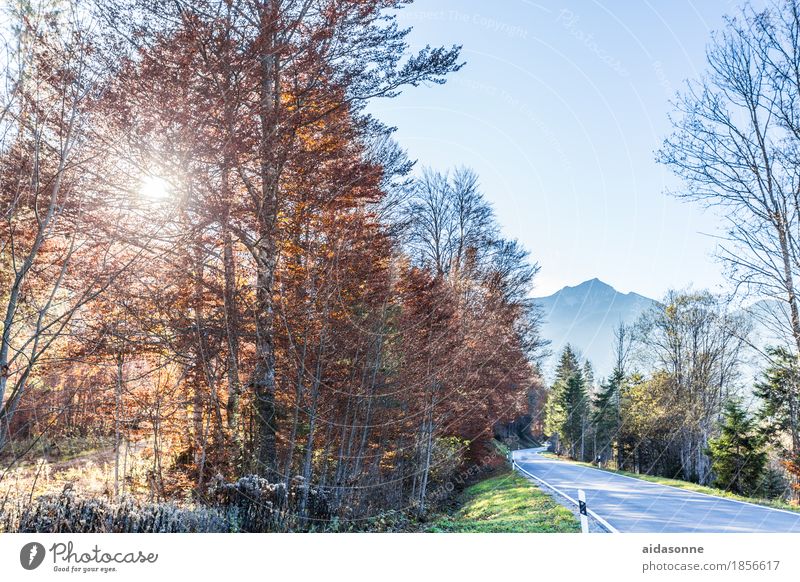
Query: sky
560, 109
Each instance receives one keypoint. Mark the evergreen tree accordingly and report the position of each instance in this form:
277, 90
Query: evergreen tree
575, 403
568, 406
588, 375
554, 410
779, 414
779, 392
606, 415
737, 454
588, 436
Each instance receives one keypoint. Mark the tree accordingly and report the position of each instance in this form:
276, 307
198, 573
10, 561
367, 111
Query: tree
693, 340
449, 226
737, 454
297, 70
779, 392
575, 404
646, 438
269, 307
606, 415
567, 405
735, 145
52, 210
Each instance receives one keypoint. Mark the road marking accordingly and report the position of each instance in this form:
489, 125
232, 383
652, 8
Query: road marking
795, 513
602, 521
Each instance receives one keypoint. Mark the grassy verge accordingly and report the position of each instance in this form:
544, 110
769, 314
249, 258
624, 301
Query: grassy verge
507, 503
688, 485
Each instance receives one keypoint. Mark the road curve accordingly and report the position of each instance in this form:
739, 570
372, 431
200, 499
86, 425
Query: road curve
633, 505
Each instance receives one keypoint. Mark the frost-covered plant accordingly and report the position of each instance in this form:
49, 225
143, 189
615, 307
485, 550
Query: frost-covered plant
251, 504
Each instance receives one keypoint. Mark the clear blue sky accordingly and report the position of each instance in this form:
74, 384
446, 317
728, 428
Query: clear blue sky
559, 109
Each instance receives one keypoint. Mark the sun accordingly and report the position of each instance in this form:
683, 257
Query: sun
154, 188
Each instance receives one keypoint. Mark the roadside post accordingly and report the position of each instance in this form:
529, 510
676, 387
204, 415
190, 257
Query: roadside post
582, 509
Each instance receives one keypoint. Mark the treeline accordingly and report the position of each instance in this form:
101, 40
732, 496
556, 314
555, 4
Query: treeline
676, 404
210, 248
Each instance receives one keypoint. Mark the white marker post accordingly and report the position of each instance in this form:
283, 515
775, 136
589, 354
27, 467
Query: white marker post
582, 509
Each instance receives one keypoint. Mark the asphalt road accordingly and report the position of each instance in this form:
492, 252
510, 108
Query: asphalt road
633, 505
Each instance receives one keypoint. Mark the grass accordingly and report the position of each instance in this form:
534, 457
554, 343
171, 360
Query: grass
689, 486
84, 464
31, 450
507, 503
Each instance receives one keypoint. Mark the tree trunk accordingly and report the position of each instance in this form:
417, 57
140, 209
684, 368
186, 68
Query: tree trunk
265, 250
264, 374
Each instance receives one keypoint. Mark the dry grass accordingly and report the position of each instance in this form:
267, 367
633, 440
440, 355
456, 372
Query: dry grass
89, 472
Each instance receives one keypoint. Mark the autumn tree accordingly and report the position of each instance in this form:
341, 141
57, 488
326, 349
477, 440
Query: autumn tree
694, 340
270, 303
51, 253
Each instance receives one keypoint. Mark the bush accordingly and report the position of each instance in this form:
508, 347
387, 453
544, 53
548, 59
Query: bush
68, 513
261, 506
773, 484
251, 504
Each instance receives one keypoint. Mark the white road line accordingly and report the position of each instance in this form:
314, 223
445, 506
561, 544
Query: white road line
795, 513
602, 521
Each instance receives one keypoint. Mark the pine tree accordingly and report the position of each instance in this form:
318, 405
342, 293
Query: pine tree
737, 454
778, 391
606, 415
588, 375
554, 409
567, 405
779, 414
574, 401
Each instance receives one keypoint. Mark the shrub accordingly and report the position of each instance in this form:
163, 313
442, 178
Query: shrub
251, 504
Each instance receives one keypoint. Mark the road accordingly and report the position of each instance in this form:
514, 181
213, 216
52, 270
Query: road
633, 505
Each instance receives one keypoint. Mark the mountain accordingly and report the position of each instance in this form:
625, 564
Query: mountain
585, 316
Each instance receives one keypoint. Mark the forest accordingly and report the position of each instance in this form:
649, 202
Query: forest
226, 286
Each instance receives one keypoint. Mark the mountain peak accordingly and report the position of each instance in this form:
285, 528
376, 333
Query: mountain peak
586, 316
590, 288
593, 283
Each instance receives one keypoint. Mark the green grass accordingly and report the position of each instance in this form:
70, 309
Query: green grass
688, 485
507, 503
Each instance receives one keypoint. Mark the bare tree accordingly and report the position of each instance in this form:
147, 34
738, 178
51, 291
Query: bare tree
450, 226
736, 144
693, 339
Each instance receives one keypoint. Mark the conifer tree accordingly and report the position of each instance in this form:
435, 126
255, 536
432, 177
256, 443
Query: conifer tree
567, 405
574, 401
606, 415
737, 454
